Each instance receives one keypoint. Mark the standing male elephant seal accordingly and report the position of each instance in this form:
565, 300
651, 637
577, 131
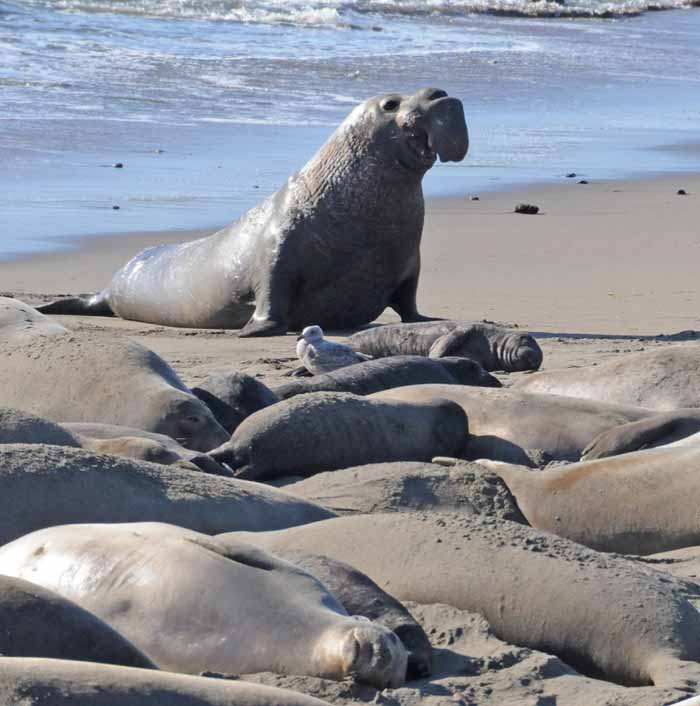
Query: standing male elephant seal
323, 431
493, 347
604, 615
386, 373
67, 376
336, 245
195, 604
664, 378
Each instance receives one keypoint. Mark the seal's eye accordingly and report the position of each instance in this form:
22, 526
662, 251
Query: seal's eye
391, 105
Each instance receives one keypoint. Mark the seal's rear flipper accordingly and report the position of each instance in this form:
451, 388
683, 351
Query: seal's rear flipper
96, 305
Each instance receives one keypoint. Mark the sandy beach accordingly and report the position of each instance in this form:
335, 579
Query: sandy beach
602, 265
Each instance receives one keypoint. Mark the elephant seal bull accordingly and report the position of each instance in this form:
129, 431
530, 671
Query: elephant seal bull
67, 376
59, 682
493, 347
194, 604
43, 486
36, 622
323, 431
285, 264
663, 379
637, 503
386, 373
603, 614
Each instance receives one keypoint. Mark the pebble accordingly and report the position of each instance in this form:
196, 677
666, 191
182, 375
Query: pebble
115, 208
527, 208
583, 181
571, 175
473, 198
682, 192
118, 165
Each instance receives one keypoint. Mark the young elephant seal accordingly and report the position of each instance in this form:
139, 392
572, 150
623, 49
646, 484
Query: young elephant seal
637, 503
285, 262
603, 614
396, 371
36, 622
195, 604
58, 682
665, 378
66, 376
493, 347
323, 431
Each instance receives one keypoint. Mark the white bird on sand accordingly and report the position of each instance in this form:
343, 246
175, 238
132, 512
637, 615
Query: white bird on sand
320, 356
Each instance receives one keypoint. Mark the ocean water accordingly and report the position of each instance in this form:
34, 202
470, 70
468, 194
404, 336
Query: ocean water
211, 104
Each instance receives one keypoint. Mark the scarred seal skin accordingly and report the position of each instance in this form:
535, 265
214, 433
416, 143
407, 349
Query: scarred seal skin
493, 347
336, 245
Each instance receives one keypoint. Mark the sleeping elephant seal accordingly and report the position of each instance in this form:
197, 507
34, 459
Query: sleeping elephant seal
663, 379
323, 431
67, 376
525, 428
43, 486
637, 503
286, 261
36, 622
396, 371
195, 604
603, 614
493, 347
58, 682
19, 427
233, 397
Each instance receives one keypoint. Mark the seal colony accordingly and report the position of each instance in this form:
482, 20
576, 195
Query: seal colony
399, 560
335, 246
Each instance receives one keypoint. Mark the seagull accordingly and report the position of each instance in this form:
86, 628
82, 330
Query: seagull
320, 356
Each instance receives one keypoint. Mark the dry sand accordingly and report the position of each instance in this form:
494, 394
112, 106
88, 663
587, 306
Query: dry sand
604, 268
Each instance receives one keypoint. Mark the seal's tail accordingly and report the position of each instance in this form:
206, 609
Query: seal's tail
95, 305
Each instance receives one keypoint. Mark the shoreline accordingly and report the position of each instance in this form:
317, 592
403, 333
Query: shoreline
610, 257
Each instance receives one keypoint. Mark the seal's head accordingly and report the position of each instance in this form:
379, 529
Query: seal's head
189, 421
518, 352
411, 132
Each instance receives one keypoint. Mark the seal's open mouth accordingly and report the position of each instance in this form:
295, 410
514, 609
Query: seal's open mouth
419, 154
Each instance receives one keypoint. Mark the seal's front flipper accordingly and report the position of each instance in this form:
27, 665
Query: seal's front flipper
656, 431
262, 327
95, 305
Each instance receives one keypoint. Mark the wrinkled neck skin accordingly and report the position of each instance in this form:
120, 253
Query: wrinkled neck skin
355, 173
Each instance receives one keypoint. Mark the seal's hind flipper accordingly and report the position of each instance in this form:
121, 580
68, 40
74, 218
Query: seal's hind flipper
95, 305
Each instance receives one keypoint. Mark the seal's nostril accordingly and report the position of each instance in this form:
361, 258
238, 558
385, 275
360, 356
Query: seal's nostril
435, 95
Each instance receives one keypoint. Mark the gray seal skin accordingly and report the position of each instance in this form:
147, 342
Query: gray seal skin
636, 503
36, 622
534, 429
194, 604
285, 263
396, 371
57, 682
43, 486
493, 347
359, 595
19, 427
604, 615
666, 378
323, 431
67, 376
233, 397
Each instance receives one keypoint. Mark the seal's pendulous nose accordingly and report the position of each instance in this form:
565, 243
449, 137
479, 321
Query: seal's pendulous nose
447, 129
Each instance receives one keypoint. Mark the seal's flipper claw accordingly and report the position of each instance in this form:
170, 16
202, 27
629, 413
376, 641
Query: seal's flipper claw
262, 327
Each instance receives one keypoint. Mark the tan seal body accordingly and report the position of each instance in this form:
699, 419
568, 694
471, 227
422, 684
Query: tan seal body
663, 379
66, 376
520, 427
603, 614
323, 431
636, 503
194, 604
36, 622
54, 682
336, 245
43, 486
